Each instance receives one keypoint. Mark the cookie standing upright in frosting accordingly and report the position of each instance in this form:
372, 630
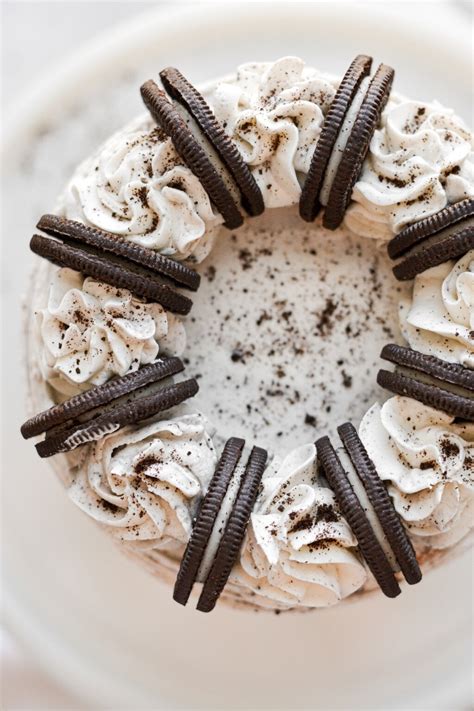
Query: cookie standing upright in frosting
285, 542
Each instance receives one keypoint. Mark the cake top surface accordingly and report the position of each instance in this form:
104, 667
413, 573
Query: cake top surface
288, 334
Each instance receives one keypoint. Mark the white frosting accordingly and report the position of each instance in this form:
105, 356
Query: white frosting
274, 112
137, 186
420, 159
90, 331
210, 152
298, 549
439, 318
428, 462
143, 483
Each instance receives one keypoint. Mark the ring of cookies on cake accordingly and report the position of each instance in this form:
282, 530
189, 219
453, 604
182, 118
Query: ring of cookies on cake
360, 498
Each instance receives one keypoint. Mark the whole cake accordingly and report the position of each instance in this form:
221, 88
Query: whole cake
271, 234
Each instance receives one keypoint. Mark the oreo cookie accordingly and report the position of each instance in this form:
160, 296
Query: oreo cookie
206, 519
417, 232
104, 265
220, 525
377, 493
66, 230
106, 408
233, 536
196, 152
187, 96
309, 205
434, 382
342, 478
104, 394
448, 234
353, 155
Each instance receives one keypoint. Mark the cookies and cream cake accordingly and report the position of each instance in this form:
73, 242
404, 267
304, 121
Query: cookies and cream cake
206, 324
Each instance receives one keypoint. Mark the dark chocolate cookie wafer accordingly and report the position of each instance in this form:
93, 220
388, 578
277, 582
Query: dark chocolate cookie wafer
419, 231
357, 146
182, 91
65, 229
65, 439
356, 517
206, 518
234, 533
432, 381
195, 157
430, 395
101, 395
309, 201
452, 242
453, 373
382, 503
112, 270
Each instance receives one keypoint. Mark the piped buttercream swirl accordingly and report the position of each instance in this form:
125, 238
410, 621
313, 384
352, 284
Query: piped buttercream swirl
274, 113
420, 159
427, 461
439, 318
91, 331
143, 483
298, 549
137, 186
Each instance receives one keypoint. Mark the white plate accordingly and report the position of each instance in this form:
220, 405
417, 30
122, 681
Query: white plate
101, 625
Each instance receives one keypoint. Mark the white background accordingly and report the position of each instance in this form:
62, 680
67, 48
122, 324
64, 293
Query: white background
35, 37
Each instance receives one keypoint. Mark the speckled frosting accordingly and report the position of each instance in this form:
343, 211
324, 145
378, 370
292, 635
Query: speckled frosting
289, 355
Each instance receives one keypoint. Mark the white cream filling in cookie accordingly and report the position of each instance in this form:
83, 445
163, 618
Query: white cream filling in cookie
221, 519
210, 151
341, 140
366, 504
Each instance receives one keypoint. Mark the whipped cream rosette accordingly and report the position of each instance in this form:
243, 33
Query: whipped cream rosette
143, 483
137, 186
90, 331
274, 113
420, 159
439, 318
428, 462
299, 550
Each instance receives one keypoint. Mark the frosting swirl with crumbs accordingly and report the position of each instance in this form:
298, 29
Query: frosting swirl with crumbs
143, 483
420, 159
298, 548
137, 186
427, 461
91, 331
439, 318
